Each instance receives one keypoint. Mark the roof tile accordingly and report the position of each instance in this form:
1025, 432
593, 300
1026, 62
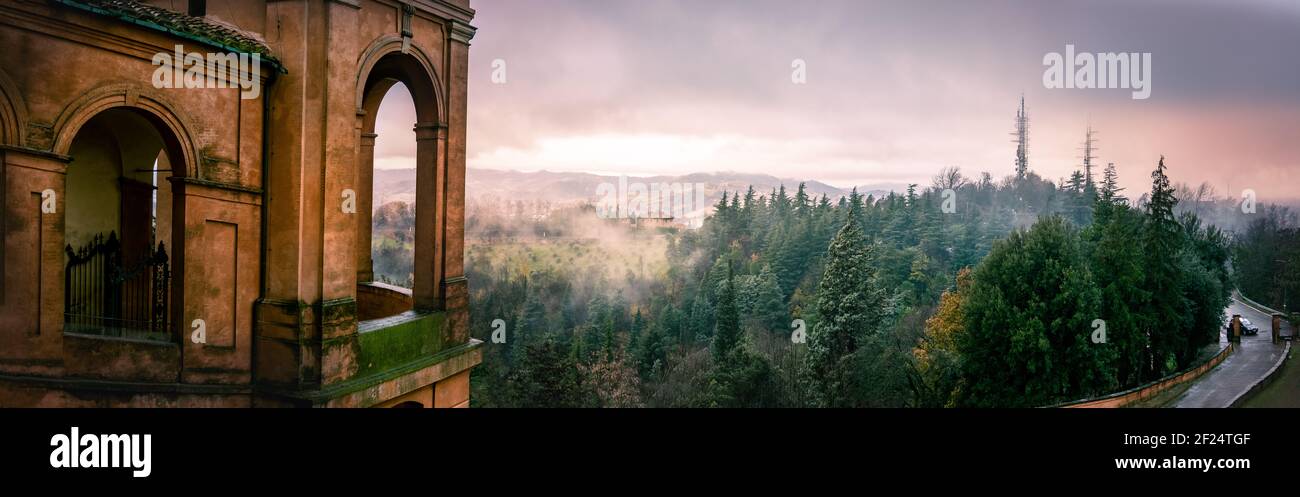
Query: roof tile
198, 28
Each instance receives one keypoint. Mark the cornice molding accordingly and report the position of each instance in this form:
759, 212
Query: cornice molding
462, 32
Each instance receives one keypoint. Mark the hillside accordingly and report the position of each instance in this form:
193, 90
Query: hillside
560, 188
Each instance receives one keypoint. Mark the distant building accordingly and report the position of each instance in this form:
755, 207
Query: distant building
182, 246
655, 222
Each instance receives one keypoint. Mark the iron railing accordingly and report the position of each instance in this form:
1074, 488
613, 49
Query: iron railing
103, 296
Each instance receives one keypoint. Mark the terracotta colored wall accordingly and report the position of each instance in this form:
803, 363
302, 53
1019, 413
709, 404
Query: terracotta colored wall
377, 300
219, 143
422, 396
267, 258
1130, 397
315, 135
452, 392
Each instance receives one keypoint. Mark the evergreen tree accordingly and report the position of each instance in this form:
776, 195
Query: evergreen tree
701, 322
547, 377
769, 308
1078, 203
651, 351
1118, 264
726, 338
801, 202
791, 261
1110, 189
531, 326
1028, 323
850, 307
1165, 316
636, 335
1207, 283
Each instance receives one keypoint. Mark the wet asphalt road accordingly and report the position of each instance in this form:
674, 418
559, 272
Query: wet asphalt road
1253, 358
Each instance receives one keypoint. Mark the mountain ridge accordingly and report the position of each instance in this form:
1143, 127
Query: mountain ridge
565, 187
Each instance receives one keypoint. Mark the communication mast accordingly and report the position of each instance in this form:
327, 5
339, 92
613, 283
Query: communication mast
1022, 140
1088, 155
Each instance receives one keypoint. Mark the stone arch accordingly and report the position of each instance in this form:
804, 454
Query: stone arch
387, 61
149, 218
383, 64
178, 140
12, 112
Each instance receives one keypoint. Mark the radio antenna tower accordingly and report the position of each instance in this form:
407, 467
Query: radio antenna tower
1088, 155
1022, 140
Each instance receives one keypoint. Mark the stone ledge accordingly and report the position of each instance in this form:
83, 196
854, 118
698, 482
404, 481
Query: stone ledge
134, 387
1143, 392
366, 391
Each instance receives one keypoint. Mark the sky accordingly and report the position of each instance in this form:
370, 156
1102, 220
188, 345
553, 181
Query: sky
892, 91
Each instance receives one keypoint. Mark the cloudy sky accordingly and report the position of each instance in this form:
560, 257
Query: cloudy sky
894, 90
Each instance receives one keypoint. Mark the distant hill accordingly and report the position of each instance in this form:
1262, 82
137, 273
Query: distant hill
565, 188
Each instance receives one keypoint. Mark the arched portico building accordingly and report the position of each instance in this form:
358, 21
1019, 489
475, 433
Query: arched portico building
385, 65
188, 246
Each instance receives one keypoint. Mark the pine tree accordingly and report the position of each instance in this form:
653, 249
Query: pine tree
801, 202
651, 350
748, 211
547, 377
792, 259
769, 306
726, 337
1110, 189
850, 307
1077, 203
1108, 197
716, 278
1165, 318
531, 327
701, 322
636, 334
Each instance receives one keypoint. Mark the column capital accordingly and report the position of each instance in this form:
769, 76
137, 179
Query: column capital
461, 32
430, 131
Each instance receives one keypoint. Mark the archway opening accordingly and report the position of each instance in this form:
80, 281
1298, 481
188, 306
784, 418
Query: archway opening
400, 145
393, 199
118, 227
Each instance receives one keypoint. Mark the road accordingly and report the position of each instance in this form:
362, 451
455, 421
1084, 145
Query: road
1245, 366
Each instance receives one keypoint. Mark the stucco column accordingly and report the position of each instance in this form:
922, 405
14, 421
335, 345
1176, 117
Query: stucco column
1277, 327
306, 316
455, 287
430, 141
365, 208
34, 248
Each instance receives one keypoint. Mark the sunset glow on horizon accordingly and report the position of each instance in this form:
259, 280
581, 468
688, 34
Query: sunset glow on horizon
678, 87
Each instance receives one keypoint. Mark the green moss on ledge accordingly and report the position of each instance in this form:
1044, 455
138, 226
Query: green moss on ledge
391, 342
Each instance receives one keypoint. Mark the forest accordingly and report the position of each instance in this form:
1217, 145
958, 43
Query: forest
968, 293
